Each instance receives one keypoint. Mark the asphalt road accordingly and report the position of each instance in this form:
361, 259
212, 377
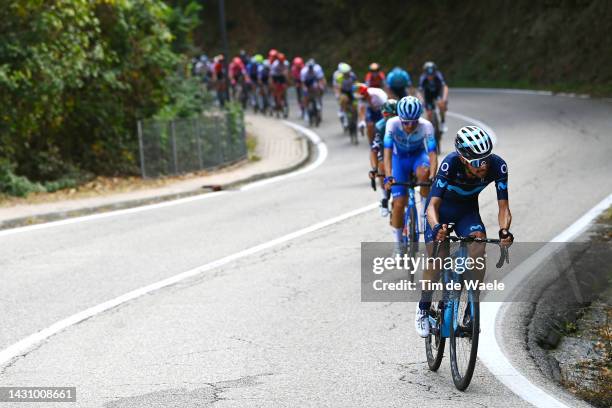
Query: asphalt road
285, 326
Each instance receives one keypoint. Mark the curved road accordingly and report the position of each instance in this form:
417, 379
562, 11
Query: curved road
284, 326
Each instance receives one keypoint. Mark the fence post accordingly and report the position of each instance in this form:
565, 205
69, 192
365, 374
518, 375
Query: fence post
174, 153
196, 125
220, 126
141, 147
243, 140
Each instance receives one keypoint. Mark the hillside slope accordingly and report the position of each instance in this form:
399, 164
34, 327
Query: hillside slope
560, 45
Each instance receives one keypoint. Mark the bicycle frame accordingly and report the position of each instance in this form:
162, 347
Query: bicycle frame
410, 209
450, 303
451, 276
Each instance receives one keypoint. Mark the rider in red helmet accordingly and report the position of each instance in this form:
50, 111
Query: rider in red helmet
272, 54
236, 70
237, 74
280, 79
296, 69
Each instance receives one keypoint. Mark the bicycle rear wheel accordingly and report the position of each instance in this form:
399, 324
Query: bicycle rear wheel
434, 343
413, 236
464, 334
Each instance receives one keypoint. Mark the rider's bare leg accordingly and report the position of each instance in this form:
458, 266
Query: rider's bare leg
429, 114
370, 129
442, 107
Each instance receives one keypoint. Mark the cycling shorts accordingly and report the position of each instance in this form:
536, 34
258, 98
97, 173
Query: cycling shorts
373, 116
279, 79
465, 215
403, 167
431, 98
377, 146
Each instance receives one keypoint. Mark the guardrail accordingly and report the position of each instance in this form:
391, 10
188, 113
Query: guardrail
173, 147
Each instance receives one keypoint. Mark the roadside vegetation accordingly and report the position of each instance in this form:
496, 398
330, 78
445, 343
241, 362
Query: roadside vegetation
557, 45
76, 75
584, 352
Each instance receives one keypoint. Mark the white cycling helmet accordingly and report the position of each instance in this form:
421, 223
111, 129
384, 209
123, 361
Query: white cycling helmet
344, 68
473, 143
430, 67
409, 108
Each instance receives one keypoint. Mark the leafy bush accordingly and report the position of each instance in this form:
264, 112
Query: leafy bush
14, 185
186, 97
75, 75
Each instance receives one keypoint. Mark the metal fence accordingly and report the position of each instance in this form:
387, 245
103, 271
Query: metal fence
186, 145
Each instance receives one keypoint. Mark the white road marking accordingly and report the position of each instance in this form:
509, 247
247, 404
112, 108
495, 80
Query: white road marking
108, 214
490, 352
504, 91
322, 153
22, 346
522, 92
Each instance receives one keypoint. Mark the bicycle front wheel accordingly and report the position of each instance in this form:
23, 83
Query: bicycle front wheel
464, 334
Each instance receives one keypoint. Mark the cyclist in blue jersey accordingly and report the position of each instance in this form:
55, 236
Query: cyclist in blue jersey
399, 83
389, 110
454, 199
434, 91
410, 149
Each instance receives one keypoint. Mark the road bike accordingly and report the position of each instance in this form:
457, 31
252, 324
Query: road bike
436, 122
240, 91
313, 106
263, 99
455, 315
281, 106
253, 96
411, 231
349, 117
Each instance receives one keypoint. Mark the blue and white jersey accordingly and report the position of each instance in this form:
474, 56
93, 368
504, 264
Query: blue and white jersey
452, 182
408, 144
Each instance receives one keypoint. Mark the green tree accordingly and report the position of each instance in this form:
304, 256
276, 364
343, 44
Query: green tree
75, 75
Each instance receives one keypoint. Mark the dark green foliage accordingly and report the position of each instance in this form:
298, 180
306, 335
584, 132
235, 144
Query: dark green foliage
76, 75
543, 44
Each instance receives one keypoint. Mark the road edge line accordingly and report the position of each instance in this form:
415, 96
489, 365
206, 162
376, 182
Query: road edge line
322, 153
491, 353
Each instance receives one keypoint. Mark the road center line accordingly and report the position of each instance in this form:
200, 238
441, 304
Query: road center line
23, 346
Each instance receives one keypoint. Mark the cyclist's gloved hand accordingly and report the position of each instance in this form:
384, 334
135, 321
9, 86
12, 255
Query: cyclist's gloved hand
372, 173
440, 231
388, 182
506, 237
